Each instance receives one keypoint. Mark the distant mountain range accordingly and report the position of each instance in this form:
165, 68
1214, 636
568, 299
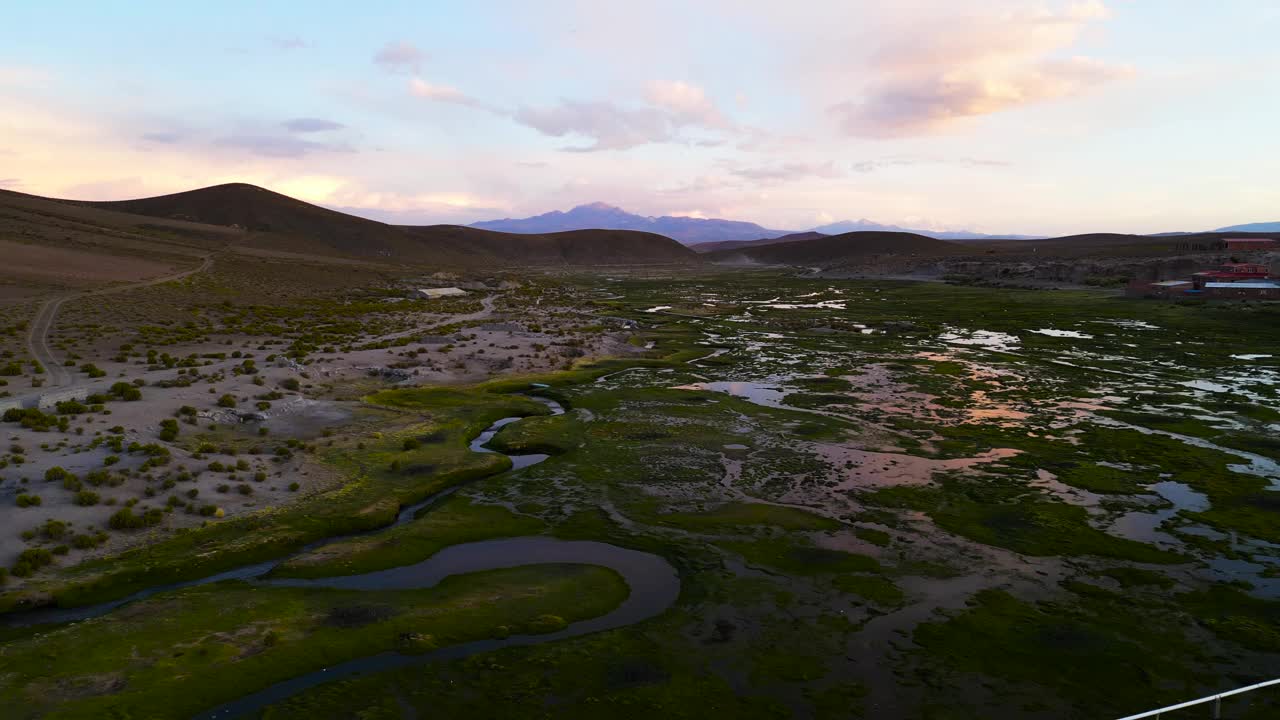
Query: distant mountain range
864, 225
1267, 227
693, 231
599, 215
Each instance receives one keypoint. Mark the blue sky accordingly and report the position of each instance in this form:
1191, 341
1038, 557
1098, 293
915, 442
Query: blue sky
1032, 116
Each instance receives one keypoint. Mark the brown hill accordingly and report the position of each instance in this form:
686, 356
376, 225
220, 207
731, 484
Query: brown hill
1113, 244
50, 245
275, 222
572, 247
707, 247
840, 248
279, 222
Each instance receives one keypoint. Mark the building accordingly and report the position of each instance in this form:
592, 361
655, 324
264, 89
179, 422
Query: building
1253, 290
1250, 244
1233, 281
1232, 272
433, 293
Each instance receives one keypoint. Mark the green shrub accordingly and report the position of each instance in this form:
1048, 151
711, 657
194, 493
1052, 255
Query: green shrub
87, 498
29, 501
169, 430
54, 529
70, 407
126, 519
55, 473
227, 401
32, 559
125, 391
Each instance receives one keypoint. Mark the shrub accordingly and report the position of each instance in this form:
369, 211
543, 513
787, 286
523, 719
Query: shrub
168, 430
32, 559
288, 383
87, 498
70, 407
126, 519
208, 510
125, 391
411, 444
244, 489
227, 401
54, 529
110, 460
294, 486
29, 501
33, 419
93, 371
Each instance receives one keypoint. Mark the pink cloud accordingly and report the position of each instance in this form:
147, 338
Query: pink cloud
687, 104
967, 67
447, 94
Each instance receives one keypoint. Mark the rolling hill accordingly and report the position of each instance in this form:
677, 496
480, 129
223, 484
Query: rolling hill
269, 221
273, 221
46, 244
1109, 244
573, 247
707, 247
840, 248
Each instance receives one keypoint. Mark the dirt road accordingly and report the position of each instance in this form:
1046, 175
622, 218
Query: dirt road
38, 336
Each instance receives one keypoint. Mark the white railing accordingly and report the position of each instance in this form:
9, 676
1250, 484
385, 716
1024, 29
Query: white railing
1215, 699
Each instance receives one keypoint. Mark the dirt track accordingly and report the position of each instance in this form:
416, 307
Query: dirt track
38, 336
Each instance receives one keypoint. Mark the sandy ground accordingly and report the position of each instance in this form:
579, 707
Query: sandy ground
475, 354
74, 267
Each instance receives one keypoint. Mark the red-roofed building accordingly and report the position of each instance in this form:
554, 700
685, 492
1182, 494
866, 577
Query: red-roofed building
1232, 272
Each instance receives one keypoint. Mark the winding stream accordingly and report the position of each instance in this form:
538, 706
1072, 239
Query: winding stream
653, 582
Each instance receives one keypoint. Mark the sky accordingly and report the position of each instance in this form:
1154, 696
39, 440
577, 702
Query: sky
1003, 116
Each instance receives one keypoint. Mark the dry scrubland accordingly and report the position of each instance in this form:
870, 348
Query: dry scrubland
206, 396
